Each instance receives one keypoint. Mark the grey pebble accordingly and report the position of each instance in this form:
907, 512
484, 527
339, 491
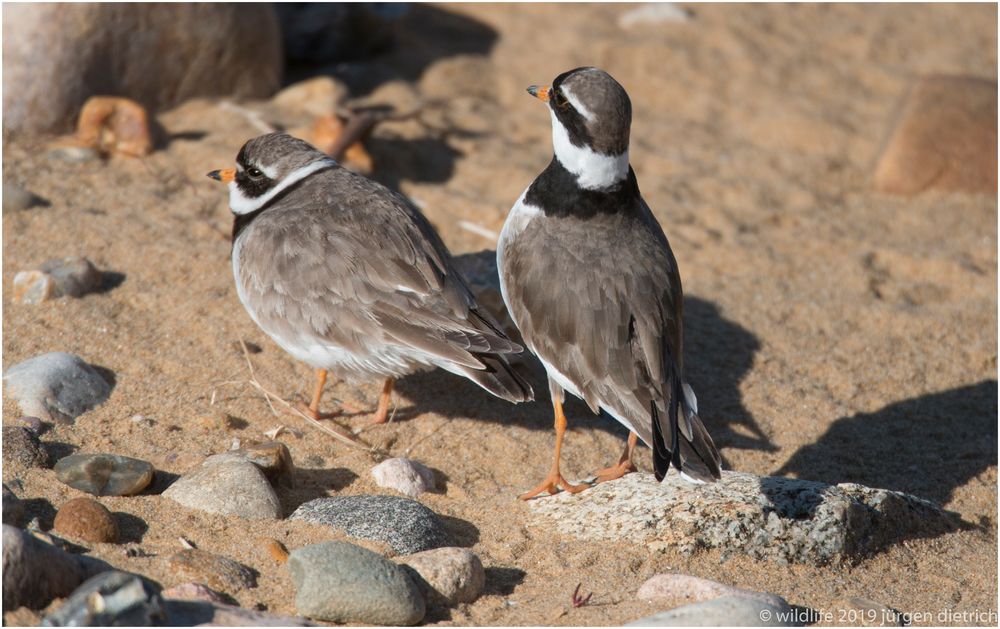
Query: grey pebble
104, 474
74, 154
13, 507
110, 599
35, 572
227, 484
59, 277
56, 386
22, 450
406, 525
341, 582
731, 611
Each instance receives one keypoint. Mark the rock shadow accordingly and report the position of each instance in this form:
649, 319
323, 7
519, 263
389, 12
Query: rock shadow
926, 446
463, 533
367, 46
502, 581
312, 483
130, 528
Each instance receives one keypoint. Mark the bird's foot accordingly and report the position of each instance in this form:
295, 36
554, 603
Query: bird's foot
551, 484
614, 472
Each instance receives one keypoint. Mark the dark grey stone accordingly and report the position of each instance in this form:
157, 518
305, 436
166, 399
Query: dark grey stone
56, 386
201, 613
74, 276
404, 524
22, 450
110, 599
341, 582
104, 474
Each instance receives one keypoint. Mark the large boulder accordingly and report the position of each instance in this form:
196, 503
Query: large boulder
55, 56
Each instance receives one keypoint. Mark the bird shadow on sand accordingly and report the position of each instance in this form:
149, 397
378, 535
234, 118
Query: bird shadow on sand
719, 354
927, 446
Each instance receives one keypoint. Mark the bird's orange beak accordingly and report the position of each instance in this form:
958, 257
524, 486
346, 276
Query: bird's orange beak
540, 92
225, 176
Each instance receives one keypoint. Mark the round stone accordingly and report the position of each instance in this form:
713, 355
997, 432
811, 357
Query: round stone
341, 582
410, 478
447, 576
104, 474
87, 519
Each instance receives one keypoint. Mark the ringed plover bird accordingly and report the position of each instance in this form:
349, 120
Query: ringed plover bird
348, 276
590, 281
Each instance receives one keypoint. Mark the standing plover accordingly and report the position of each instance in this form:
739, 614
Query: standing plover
591, 282
348, 276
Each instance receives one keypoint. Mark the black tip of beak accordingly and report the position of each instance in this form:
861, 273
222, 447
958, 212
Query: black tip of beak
533, 90
215, 175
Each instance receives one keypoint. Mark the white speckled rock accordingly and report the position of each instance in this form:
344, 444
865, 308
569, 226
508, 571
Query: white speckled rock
766, 517
690, 589
447, 576
231, 486
410, 478
727, 611
56, 386
344, 583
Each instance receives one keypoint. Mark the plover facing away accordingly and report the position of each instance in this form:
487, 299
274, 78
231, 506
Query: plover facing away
590, 281
348, 276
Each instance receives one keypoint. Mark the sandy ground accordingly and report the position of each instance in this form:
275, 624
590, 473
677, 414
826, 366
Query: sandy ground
833, 333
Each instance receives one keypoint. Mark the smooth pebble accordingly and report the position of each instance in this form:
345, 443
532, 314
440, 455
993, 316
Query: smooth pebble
410, 478
447, 576
104, 474
691, 589
341, 582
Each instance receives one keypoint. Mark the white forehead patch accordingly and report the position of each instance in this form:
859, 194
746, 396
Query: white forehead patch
242, 204
593, 170
577, 104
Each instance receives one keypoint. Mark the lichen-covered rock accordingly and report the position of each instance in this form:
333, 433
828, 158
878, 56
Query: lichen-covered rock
781, 519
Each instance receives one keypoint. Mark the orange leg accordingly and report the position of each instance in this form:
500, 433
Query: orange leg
625, 464
312, 410
555, 480
382, 412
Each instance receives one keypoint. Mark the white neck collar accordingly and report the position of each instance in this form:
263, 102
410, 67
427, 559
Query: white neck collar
242, 204
593, 170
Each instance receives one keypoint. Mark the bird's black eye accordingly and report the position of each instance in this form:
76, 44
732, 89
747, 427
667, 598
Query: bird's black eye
255, 173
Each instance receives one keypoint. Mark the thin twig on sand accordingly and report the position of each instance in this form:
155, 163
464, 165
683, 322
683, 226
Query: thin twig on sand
334, 431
